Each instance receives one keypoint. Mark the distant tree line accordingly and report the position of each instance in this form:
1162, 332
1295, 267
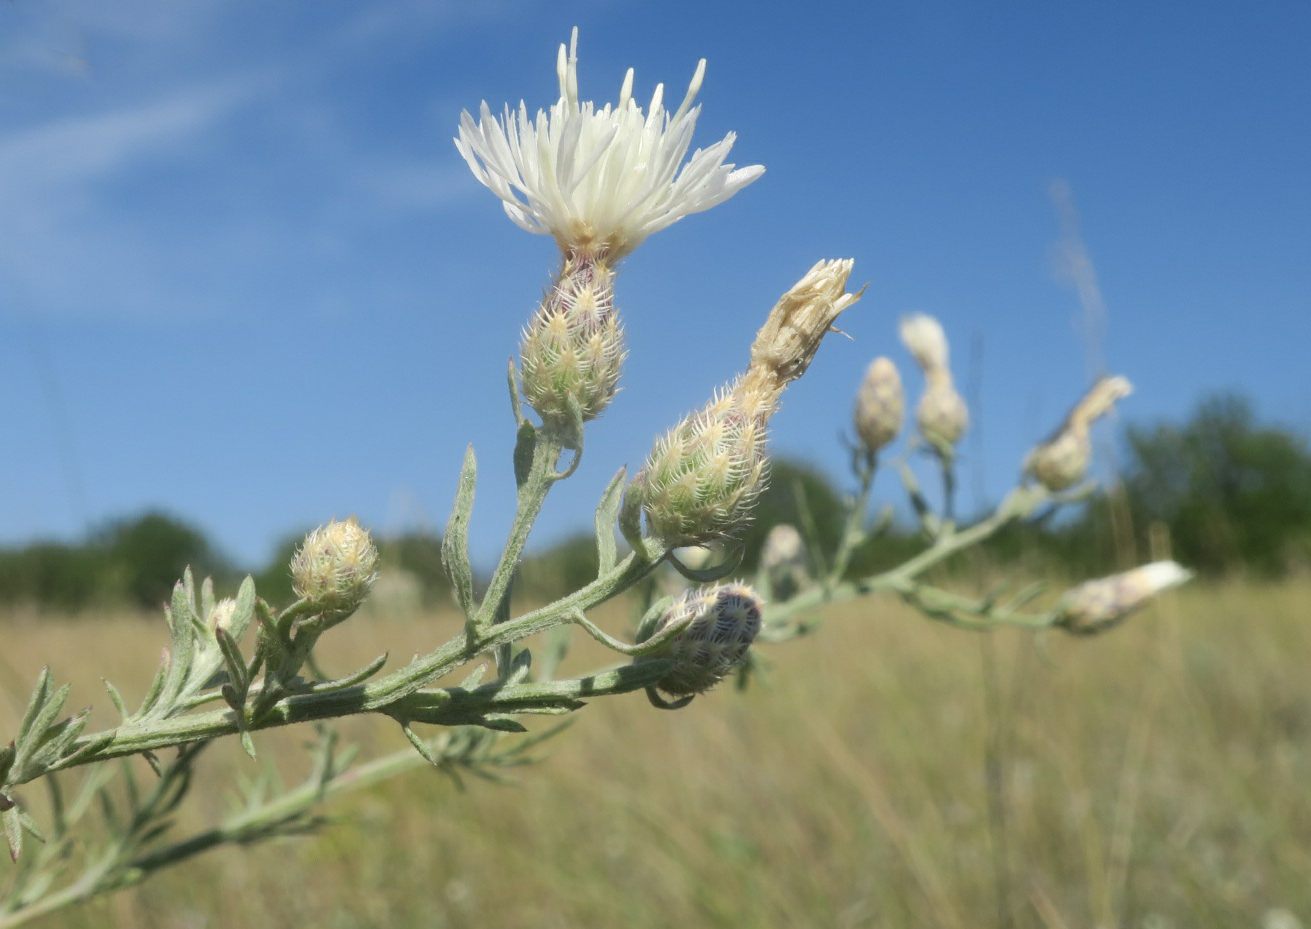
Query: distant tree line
1230, 493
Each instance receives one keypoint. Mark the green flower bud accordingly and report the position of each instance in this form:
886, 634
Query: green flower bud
573, 348
703, 476
335, 567
721, 623
880, 405
1098, 605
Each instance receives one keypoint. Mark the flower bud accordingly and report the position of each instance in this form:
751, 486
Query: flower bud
783, 559
722, 622
1063, 459
880, 405
335, 567
941, 413
220, 617
1100, 604
703, 476
573, 348
942, 416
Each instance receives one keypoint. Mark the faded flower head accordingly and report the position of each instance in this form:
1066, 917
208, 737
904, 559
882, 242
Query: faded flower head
784, 563
599, 180
721, 622
1063, 459
1100, 604
786, 344
880, 405
335, 567
573, 348
941, 413
703, 476
923, 336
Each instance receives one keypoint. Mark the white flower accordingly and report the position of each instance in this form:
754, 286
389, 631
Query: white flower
600, 180
924, 337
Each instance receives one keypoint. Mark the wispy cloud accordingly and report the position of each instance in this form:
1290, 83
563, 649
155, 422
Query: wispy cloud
75, 150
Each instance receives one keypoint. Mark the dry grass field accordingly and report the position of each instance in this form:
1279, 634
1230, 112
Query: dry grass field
1158, 776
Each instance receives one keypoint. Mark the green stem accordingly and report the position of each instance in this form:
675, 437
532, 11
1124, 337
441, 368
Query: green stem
853, 533
532, 494
376, 696
1021, 502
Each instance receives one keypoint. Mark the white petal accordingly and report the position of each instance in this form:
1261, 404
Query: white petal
603, 178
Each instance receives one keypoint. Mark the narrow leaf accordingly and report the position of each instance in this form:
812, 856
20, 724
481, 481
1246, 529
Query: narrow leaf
61, 736
232, 660
475, 677
630, 515
244, 611
36, 727
519, 668
248, 744
512, 377
525, 444
116, 697
156, 687
153, 760
607, 513
350, 680
420, 746
184, 639
455, 541
207, 600
34, 704
499, 723
14, 831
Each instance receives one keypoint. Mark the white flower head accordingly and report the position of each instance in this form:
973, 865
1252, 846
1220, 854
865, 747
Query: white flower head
924, 337
599, 180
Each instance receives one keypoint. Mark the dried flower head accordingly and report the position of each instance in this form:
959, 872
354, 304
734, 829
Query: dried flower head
880, 405
599, 180
1098, 605
786, 344
1062, 460
335, 567
720, 623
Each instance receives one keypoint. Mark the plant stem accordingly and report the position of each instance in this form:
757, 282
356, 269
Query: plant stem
1021, 502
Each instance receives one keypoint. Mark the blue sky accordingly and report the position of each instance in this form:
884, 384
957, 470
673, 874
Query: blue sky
245, 276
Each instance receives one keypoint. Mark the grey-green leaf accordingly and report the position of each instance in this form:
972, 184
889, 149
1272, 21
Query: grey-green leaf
607, 513
455, 541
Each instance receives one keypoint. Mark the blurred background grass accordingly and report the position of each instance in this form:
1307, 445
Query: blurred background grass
1155, 776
